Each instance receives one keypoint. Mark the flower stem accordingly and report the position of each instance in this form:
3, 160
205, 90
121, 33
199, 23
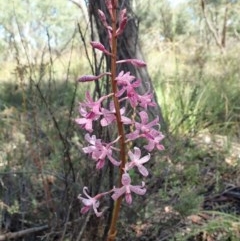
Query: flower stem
112, 230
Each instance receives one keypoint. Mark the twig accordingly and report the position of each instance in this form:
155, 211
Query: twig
63, 140
83, 227
22, 233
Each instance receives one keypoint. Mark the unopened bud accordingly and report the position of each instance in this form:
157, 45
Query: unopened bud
121, 27
135, 62
100, 47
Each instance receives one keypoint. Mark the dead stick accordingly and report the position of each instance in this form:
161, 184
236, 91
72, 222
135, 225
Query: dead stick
21, 233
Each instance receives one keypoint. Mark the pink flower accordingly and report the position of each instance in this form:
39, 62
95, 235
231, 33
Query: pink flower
124, 79
143, 128
145, 100
154, 137
90, 111
109, 116
127, 188
132, 96
90, 202
137, 161
128, 88
99, 151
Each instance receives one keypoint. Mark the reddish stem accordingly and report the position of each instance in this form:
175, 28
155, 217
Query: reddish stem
112, 230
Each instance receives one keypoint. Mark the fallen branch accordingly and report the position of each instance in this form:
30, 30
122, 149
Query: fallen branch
22, 233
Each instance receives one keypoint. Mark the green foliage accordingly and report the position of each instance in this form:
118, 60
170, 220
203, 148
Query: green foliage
193, 101
189, 202
221, 226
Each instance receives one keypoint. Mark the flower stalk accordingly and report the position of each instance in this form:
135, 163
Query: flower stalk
112, 230
124, 87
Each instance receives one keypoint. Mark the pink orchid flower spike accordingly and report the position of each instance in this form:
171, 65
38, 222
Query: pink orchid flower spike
127, 188
90, 202
137, 161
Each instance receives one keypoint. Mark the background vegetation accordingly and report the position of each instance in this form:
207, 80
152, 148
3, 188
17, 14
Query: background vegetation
192, 50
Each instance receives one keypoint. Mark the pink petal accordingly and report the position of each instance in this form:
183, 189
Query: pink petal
88, 126
107, 120
80, 121
113, 161
144, 117
125, 120
143, 170
160, 147
92, 140
85, 209
154, 122
144, 159
118, 192
100, 164
132, 136
120, 92
128, 198
98, 214
137, 152
126, 180
150, 146
138, 190
88, 149
86, 202
131, 155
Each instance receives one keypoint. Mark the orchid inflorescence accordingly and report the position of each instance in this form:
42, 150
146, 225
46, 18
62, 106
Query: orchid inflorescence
124, 88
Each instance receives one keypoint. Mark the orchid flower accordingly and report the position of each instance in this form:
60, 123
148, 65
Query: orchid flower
90, 111
100, 151
90, 202
124, 79
153, 138
109, 116
127, 188
143, 128
137, 161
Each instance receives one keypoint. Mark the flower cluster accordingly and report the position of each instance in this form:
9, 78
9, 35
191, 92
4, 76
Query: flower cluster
90, 111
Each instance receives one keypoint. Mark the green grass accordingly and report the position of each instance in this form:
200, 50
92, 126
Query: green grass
193, 101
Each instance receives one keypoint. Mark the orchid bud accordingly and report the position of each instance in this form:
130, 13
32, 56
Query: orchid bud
87, 78
103, 18
121, 27
100, 47
110, 7
123, 14
134, 62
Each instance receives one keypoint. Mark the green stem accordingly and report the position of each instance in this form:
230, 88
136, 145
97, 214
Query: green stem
112, 230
